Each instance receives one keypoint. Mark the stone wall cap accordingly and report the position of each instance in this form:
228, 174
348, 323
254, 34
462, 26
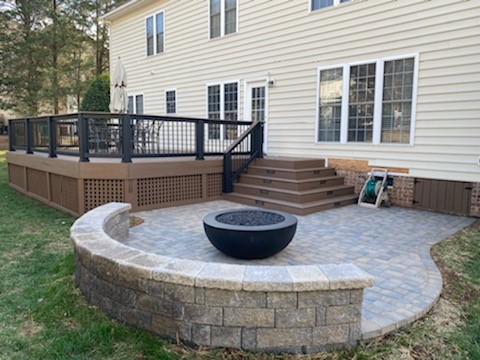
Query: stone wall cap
88, 233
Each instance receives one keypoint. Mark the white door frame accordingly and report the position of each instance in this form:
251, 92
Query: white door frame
248, 85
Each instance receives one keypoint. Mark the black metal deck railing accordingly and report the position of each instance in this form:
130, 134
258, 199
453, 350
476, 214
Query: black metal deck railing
127, 136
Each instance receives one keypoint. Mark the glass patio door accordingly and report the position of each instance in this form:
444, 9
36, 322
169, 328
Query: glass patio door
256, 105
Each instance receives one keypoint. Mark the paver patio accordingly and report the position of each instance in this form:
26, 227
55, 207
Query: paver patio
392, 244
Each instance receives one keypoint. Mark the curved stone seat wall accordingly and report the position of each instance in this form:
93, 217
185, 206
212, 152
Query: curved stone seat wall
296, 309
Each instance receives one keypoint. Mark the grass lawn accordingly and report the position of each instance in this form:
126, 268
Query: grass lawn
44, 316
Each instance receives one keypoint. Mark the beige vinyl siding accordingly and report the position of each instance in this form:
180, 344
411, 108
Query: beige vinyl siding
283, 41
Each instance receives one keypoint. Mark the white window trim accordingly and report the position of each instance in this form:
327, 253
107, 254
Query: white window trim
135, 103
377, 118
176, 101
335, 4
155, 34
222, 102
222, 20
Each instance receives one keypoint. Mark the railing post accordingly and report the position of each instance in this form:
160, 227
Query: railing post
52, 137
260, 131
11, 134
28, 137
127, 146
83, 143
200, 139
257, 140
227, 173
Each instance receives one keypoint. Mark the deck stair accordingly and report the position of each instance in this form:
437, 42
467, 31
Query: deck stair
297, 186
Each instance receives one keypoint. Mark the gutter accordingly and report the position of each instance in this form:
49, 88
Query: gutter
123, 9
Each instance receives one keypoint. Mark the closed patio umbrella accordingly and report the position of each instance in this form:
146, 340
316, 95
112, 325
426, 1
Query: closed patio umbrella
118, 98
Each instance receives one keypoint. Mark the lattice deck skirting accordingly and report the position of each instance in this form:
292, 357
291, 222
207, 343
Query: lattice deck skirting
79, 187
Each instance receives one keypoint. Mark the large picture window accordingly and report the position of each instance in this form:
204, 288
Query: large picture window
371, 102
223, 17
222, 103
155, 33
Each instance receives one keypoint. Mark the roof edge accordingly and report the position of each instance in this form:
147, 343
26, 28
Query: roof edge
124, 9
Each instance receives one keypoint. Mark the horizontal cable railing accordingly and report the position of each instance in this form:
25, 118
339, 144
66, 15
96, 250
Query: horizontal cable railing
124, 136
241, 153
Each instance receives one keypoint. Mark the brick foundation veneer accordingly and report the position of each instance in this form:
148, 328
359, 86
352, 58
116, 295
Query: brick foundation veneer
475, 200
294, 309
401, 193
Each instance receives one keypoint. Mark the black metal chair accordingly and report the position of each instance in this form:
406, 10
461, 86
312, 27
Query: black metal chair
101, 138
147, 136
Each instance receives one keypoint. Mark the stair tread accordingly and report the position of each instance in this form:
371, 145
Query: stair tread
293, 192
323, 168
296, 205
312, 179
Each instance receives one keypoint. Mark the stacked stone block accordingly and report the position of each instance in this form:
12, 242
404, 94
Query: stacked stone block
297, 309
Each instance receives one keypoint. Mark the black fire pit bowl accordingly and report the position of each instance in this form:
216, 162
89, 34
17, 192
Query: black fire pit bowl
250, 233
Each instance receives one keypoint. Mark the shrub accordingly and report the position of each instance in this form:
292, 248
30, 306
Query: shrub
97, 97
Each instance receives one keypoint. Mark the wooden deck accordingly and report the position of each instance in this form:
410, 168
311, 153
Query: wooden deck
295, 185
147, 183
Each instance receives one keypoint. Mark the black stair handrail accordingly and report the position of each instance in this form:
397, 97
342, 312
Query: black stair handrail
241, 153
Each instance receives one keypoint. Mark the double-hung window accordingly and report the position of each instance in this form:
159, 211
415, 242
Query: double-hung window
398, 78
361, 102
330, 104
135, 104
155, 33
222, 103
320, 4
371, 102
170, 101
223, 17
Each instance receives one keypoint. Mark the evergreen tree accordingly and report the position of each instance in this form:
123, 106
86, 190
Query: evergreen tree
50, 49
22, 55
97, 97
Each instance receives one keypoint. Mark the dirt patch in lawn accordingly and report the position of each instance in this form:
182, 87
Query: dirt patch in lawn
3, 142
29, 328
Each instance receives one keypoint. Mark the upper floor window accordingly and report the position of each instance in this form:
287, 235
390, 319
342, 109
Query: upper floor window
223, 17
367, 103
170, 101
155, 32
320, 4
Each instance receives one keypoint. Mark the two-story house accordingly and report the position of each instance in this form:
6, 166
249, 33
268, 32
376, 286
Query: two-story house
393, 84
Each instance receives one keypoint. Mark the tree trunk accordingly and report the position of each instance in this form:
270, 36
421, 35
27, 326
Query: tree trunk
55, 82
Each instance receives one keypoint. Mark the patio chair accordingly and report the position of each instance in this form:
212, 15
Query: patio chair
99, 136
147, 136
